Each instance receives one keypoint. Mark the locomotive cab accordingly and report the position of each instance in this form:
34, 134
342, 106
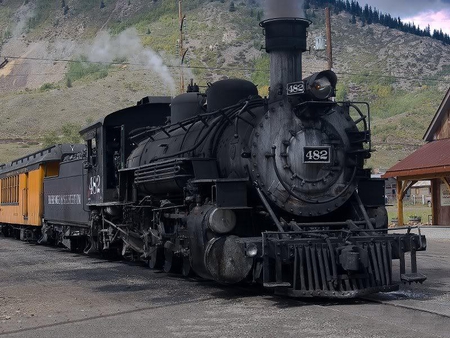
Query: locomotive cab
109, 144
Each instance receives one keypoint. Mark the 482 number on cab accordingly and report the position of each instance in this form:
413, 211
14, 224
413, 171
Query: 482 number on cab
295, 88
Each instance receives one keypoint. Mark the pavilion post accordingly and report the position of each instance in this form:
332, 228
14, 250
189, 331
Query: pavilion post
400, 220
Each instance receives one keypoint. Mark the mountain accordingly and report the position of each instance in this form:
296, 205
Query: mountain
71, 72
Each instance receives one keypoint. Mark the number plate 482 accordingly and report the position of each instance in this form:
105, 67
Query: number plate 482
295, 88
316, 155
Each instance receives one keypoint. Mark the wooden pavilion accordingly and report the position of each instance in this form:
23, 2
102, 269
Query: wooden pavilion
430, 162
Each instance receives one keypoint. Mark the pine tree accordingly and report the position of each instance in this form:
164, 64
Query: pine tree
232, 7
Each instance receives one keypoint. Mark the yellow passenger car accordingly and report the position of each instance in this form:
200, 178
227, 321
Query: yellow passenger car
21, 186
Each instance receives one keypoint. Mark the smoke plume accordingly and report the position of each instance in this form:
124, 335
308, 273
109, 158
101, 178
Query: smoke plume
284, 9
21, 19
128, 46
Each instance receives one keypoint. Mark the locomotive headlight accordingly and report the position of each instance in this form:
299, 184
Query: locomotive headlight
321, 86
251, 250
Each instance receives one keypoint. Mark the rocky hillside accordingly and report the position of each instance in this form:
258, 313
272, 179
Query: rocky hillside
73, 61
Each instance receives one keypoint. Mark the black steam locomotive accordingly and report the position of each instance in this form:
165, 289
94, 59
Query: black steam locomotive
238, 188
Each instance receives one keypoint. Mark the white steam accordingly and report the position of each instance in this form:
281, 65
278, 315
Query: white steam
128, 46
284, 9
21, 18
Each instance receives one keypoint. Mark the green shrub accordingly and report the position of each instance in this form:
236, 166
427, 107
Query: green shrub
7, 34
47, 86
159, 9
42, 13
82, 69
260, 75
69, 133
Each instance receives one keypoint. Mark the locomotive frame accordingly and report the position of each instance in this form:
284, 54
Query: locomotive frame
234, 187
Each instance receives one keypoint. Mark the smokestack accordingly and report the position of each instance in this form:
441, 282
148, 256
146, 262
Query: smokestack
285, 42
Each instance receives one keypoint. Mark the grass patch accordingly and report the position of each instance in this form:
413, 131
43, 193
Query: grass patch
11, 151
5, 16
69, 133
420, 101
91, 71
444, 72
403, 116
409, 210
156, 11
47, 86
260, 76
83, 6
43, 13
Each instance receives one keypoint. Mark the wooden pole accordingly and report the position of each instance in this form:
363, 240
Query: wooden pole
181, 19
434, 197
399, 202
403, 185
329, 45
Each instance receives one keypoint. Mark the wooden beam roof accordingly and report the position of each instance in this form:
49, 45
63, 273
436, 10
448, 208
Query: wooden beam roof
432, 160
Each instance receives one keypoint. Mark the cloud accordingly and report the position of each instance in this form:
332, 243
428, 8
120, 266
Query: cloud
435, 13
436, 19
406, 8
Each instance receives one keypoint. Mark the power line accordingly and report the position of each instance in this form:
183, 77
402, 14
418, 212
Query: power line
240, 69
373, 75
125, 63
220, 70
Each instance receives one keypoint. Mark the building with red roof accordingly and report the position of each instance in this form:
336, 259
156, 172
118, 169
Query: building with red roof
429, 162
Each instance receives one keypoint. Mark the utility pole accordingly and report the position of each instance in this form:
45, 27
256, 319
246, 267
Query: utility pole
329, 46
181, 18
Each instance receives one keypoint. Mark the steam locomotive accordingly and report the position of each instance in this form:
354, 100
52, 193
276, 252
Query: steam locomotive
228, 185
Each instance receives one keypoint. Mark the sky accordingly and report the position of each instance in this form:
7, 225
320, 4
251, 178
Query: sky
435, 13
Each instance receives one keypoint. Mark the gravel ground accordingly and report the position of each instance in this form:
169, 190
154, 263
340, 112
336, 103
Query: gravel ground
48, 292
442, 233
